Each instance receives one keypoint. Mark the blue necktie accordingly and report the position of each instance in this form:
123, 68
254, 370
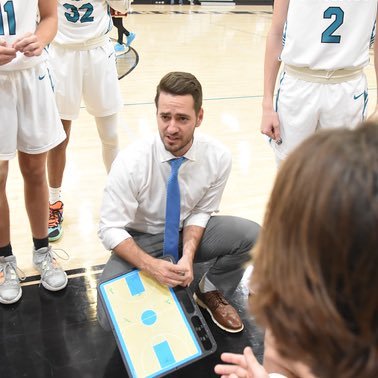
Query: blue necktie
172, 212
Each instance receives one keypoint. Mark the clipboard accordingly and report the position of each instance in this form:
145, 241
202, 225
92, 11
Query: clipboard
158, 329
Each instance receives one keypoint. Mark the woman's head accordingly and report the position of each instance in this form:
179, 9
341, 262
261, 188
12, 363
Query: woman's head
316, 262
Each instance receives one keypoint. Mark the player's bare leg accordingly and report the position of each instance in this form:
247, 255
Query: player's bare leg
4, 208
56, 159
56, 163
33, 169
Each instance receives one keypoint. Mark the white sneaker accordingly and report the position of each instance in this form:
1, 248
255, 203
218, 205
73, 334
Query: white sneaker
10, 288
53, 277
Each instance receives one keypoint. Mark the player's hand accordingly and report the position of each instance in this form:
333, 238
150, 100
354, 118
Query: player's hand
118, 13
167, 273
241, 366
187, 268
270, 125
7, 54
29, 45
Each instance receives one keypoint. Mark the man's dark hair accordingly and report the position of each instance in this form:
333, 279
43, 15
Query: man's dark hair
181, 84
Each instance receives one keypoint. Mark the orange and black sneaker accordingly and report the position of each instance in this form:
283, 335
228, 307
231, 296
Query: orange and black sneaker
55, 221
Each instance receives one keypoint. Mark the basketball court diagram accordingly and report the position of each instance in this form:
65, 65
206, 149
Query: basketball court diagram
153, 332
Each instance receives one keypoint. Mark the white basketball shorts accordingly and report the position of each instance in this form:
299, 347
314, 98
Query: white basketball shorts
89, 74
29, 119
304, 107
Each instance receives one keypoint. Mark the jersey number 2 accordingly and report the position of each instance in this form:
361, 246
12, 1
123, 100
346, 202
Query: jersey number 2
327, 35
9, 11
75, 16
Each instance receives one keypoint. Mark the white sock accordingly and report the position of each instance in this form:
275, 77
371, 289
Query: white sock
206, 285
107, 131
54, 195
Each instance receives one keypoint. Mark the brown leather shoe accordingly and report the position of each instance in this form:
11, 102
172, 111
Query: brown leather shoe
222, 313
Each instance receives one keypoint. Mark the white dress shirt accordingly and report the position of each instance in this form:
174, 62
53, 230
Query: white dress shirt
135, 192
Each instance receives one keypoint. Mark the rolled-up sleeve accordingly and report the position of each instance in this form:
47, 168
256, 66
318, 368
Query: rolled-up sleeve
198, 219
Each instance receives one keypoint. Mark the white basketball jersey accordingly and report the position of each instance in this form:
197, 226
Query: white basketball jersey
82, 20
329, 34
18, 17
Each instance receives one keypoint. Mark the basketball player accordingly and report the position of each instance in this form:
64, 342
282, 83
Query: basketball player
117, 18
84, 63
324, 47
29, 124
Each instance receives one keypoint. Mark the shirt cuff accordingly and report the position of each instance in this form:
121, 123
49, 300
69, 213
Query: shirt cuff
112, 237
199, 219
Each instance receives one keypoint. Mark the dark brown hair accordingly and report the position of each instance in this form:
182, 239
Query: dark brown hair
181, 84
316, 262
